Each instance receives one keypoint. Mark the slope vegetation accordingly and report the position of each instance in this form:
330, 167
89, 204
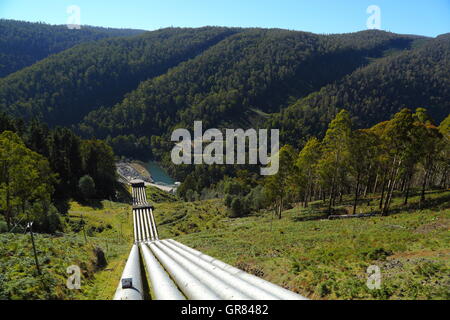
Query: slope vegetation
24, 43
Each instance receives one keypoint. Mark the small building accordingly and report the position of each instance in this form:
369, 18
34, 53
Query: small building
137, 183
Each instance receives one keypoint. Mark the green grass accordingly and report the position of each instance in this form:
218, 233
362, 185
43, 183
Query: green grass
155, 195
328, 259
178, 218
108, 227
18, 275
319, 258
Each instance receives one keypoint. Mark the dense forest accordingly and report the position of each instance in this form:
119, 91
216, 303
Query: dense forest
253, 69
62, 89
24, 43
405, 155
133, 91
412, 79
42, 169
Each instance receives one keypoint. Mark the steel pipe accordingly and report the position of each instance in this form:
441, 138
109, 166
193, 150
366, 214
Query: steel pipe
238, 283
135, 226
154, 225
146, 226
274, 289
217, 285
191, 286
163, 287
132, 271
139, 224
147, 217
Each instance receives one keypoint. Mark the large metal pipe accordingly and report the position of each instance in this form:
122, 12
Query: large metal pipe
238, 283
141, 222
192, 287
147, 217
135, 226
258, 282
163, 287
146, 226
143, 196
218, 286
131, 289
139, 225
155, 231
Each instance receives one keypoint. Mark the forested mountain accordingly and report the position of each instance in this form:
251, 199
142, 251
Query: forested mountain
411, 79
63, 88
24, 43
254, 69
130, 90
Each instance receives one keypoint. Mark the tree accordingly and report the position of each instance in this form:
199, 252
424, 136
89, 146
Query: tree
87, 186
98, 162
26, 178
444, 155
280, 186
361, 158
306, 165
335, 155
428, 141
398, 140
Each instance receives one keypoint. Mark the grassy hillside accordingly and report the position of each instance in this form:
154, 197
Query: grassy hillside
322, 259
108, 227
326, 259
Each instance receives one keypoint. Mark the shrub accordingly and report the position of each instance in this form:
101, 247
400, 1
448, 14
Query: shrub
87, 186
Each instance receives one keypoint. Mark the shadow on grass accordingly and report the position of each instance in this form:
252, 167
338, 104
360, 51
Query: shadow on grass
318, 210
92, 203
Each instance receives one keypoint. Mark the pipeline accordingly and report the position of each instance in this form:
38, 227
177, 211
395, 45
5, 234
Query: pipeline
192, 287
278, 291
177, 272
130, 286
245, 287
155, 231
163, 287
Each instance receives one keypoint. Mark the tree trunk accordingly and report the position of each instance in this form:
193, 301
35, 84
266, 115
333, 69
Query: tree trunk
355, 203
331, 199
403, 185
443, 182
375, 184
408, 187
391, 191
280, 208
383, 189
424, 186
305, 199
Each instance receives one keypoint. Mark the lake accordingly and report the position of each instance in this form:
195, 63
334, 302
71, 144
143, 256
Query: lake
159, 175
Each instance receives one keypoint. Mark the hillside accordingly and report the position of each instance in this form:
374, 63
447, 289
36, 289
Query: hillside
317, 257
130, 88
262, 69
321, 258
411, 79
95, 239
24, 43
63, 88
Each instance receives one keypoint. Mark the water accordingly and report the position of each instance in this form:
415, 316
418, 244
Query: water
159, 175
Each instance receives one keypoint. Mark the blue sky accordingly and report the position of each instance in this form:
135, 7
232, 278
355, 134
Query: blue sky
422, 17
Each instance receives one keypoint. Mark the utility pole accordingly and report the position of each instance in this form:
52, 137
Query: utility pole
30, 225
